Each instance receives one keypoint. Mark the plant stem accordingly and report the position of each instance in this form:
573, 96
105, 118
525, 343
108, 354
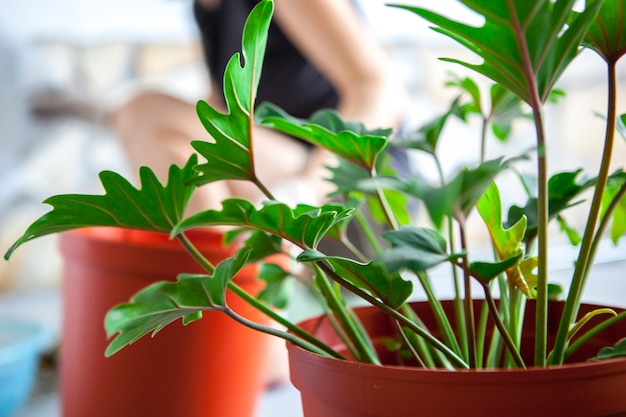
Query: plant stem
534, 100
195, 253
309, 338
433, 341
442, 319
468, 302
384, 204
482, 334
458, 299
360, 340
240, 292
367, 229
541, 314
583, 260
591, 333
483, 139
495, 316
280, 333
408, 344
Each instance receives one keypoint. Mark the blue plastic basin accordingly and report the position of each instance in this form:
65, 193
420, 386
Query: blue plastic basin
21, 344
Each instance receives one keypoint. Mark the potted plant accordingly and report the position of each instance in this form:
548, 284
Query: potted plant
509, 350
105, 266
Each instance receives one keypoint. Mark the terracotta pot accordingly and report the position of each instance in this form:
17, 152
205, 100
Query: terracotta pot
336, 388
212, 367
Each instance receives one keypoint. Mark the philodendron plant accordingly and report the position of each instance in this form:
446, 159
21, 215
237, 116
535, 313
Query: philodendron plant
525, 47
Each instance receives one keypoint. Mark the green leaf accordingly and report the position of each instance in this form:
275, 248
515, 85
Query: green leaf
349, 140
277, 290
554, 291
348, 178
618, 221
152, 207
506, 107
413, 248
563, 188
607, 33
621, 125
303, 225
617, 351
230, 156
520, 42
507, 242
372, 277
572, 234
486, 271
162, 303
463, 192
261, 245
469, 86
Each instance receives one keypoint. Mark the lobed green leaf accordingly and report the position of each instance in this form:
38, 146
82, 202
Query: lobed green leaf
349, 140
152, 207
162, 303
413, 248
229, 157
525, 45
303, 225
372, 277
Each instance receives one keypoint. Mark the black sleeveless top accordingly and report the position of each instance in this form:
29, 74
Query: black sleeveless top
288, 79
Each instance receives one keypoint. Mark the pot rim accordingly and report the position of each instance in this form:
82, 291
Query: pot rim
482, 375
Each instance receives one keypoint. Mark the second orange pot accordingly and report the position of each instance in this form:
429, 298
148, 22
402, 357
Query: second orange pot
212, 367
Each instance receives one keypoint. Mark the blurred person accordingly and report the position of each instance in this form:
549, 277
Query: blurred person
320, 54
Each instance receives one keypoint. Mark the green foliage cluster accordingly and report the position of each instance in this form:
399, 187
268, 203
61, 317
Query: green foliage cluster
525, 47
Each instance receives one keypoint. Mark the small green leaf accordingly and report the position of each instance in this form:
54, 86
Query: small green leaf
621, 125
349, 140
486, 271
506, 108
152, 207
462, 192
572, 234
413, 248
563, 188
469, 86
261, 245
277, 290
162, 303
372, 277
506, 242
303, 225
615, 185
555, 291
617, 351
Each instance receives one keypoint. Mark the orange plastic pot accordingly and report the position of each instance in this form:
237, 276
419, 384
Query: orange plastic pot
336, 388
212, 367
